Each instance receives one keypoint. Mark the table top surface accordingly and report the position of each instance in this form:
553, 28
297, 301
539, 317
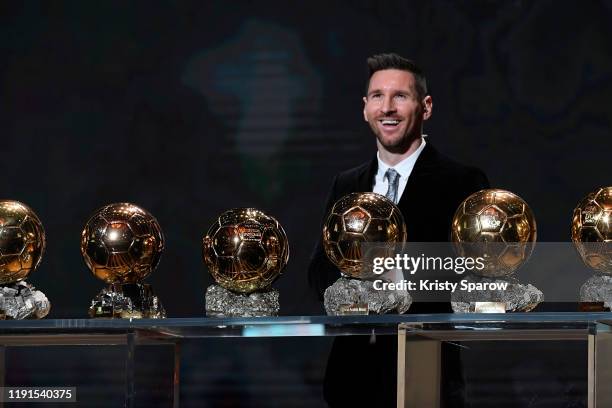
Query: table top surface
114, 331
534, 317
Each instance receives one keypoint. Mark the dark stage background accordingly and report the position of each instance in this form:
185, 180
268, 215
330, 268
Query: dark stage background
193, 108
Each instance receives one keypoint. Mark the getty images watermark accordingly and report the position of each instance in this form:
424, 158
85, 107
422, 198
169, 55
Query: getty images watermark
405, 263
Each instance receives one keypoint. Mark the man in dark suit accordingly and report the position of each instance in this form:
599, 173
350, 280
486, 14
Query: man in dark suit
427, 187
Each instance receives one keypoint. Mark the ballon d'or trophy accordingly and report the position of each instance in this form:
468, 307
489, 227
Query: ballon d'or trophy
22, 243
592, 236
121, 244
499, 227
355, 219
244, 250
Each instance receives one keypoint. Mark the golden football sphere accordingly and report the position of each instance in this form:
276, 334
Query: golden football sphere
22, 241
357, 218
592, 229
498, 226
245, 250
122, 243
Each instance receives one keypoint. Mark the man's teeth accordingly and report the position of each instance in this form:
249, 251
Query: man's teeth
390, 122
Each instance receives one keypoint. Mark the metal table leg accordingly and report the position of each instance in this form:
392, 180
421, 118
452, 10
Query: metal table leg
129, 370
600, 370
2, 372
176, 384
418, 371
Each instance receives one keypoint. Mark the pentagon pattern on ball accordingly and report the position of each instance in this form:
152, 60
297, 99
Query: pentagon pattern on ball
497, 225
245, 250
22, 241
122, 243
592, 229
494, 216
357, 218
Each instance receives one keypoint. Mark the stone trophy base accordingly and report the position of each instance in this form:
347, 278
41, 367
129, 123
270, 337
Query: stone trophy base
596, 294
349, 296
518, 297
20, 300
127, 301
221, 302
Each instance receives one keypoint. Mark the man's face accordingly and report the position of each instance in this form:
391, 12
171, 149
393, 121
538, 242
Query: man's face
393, 109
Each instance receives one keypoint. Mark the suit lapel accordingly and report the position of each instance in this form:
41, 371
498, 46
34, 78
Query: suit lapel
425, 165
365, 179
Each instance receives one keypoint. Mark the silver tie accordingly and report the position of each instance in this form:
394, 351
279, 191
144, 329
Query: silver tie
392, 177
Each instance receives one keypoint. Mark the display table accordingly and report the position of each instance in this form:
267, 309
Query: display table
419, 348
419, 340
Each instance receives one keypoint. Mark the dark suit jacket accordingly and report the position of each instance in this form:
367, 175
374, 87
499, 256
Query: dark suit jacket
362, 373
435, 188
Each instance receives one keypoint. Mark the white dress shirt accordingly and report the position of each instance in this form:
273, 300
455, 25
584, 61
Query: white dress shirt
381, 185
404, 168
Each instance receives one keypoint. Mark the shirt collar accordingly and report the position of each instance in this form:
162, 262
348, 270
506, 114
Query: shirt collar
404, 168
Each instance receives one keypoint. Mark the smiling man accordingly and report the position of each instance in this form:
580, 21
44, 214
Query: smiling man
427, 187
396, 105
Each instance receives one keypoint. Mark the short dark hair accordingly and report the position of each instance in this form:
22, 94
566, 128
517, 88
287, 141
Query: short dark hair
381, 62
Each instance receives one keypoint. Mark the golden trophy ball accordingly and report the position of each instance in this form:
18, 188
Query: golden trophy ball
22, 244
245, 250
357, 218
592, 237
122, 244
501, 227
22, 241
592, 229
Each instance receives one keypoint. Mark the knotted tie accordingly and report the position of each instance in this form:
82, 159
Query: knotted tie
392, 177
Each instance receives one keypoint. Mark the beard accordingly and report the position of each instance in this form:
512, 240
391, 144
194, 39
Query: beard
396, 145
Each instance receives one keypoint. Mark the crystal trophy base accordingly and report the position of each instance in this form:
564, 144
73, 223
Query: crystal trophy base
596, 294
20, 300
349, 296
221, 302
517, 297
127, 301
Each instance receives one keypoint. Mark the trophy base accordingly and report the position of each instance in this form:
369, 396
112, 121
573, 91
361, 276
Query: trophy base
221, 302
20, 300
127, 301
358, 297
517, 297
596, 294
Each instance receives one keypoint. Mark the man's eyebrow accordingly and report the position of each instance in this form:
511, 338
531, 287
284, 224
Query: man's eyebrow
396, 91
